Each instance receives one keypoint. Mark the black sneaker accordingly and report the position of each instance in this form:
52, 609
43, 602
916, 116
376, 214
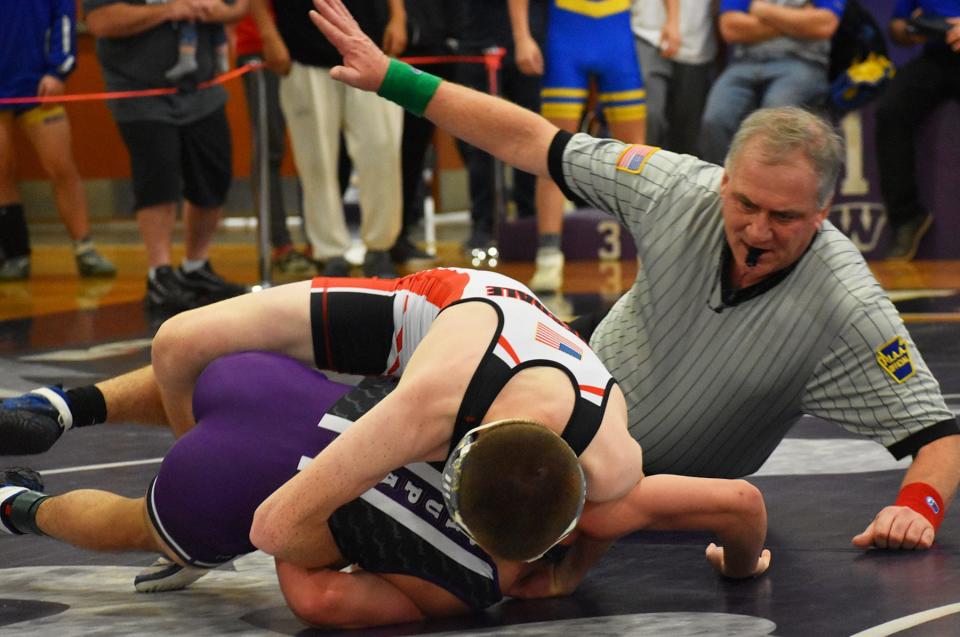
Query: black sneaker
21, 477
337, 267
166, 292
377, 263
480, 239
906, 238
31, 423
209, 286
405, 251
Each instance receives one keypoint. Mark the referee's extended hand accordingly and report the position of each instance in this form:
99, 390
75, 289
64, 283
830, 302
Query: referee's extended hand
364, 64
897, 527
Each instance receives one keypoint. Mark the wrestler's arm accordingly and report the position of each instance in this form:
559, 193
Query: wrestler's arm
732, 509
332, 599
413, 423
511, 133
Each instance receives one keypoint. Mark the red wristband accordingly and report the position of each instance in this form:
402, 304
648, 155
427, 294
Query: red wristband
923, 499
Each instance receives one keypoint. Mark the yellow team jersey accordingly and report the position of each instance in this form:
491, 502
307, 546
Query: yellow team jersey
594, 8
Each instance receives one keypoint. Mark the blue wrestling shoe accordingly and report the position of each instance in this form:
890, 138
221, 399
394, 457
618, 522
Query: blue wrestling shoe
31, 423
164, 575
21, 477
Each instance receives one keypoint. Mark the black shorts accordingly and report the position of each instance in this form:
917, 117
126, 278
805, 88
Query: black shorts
169, 161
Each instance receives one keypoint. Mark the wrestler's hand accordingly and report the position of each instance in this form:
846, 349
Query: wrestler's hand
714, 555
49, 86
897, 527
364, 64
528, 55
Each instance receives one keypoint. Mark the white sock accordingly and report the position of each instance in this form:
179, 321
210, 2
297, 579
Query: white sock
192, 265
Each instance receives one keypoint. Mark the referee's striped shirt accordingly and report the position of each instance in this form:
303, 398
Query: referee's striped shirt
712, 387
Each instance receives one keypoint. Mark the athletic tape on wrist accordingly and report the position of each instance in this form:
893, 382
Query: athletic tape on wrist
409, 87
923, 499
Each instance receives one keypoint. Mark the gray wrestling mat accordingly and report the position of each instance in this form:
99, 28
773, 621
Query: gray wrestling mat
821, 488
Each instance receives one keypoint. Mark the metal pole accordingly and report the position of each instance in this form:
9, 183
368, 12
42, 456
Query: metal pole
492, 60
261, 148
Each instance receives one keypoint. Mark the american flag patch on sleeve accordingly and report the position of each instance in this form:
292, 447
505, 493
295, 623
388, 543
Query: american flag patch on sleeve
634, 157
550, 338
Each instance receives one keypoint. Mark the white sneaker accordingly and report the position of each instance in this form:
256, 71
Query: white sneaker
548, 277
164, 575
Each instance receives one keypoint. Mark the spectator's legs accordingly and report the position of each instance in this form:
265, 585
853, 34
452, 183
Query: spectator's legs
732, 97
523, 90
794, 83
912, 94
14, 234
200, 225
688, 90
156, 225
51, 139
417, 132
49, 132
313, 107
372, 132
657, 77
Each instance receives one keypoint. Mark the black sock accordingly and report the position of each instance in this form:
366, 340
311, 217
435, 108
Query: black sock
20, 513
87, 406
14, 236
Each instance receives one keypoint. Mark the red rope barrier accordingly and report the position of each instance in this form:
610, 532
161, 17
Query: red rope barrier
490, 60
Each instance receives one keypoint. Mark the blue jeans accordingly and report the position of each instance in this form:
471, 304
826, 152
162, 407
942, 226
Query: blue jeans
746, 86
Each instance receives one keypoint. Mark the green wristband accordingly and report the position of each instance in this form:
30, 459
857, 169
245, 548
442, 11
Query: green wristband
409, 87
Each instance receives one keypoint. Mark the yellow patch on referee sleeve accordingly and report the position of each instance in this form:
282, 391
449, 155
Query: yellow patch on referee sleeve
894, 358
634, 157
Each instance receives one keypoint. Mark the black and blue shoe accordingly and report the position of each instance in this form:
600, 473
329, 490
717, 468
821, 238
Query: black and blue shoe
31, 423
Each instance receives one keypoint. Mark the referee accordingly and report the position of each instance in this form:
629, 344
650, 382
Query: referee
750, 308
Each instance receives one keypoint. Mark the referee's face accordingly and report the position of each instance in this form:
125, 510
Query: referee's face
769, 207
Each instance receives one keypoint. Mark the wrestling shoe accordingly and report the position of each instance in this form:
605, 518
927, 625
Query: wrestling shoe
31, 423
906, 238
93, 264
164, 575
15, 269
209, 286
548, 276
21, 477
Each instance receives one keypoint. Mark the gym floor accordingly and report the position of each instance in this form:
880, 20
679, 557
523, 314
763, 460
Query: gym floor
821, 486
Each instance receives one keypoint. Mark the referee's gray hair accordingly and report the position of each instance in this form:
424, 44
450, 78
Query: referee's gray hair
786, 129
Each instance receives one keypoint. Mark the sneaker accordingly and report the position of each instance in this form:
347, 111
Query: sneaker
93, 264
15, 269
287, 260
209, 286
405, 252
31, 423
167, 293
480, 239
548, 277
906, 238
337, 266
377, 263
21, 477
164, 575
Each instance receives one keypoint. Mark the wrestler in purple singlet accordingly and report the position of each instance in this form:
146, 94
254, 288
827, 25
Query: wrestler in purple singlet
217, 474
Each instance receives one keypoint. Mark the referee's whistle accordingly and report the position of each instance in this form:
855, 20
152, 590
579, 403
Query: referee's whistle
753, 254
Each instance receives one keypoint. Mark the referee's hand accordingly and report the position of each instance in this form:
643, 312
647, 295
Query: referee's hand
897, 527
